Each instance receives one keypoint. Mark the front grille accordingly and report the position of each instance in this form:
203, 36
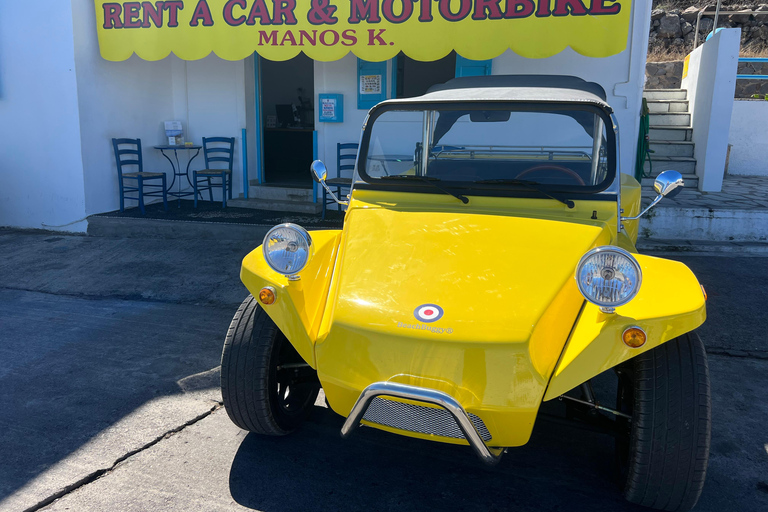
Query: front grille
417, 418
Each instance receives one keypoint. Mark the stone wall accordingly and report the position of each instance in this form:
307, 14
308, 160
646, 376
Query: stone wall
669, 75
663, 75
673, 31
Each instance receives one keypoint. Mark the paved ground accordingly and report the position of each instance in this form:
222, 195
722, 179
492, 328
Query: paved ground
108, 384
738, 193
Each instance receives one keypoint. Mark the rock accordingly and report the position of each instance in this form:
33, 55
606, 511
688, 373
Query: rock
762, 7
670, 26
656, 14
762, 32
690, 14
689, 38
686, 28
652, 38
656, 23
706, 25
674, 11
651, 68
739, 18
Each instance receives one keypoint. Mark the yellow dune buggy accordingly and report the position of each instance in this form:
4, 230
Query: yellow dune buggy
487, 264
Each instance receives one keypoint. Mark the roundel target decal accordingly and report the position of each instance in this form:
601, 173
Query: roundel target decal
428, 313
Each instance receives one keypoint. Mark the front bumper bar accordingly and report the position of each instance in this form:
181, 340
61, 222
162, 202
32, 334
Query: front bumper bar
426, 395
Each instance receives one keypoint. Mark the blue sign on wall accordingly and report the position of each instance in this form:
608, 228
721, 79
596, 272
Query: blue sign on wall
330, 108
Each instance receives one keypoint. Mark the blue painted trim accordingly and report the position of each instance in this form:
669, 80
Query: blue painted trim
368, 101
753, 59
751, 77
468, 67
259, 119
314, 157
339, 111
245, 164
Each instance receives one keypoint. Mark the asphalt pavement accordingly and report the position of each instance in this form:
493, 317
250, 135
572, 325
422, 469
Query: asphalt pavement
109, 353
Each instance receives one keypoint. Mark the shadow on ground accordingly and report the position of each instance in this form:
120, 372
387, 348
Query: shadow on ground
77, 372
561, 468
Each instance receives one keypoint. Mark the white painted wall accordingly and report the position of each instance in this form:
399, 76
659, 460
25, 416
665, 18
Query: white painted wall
711, 83
41, 180
129, 99
748, 137
209, 98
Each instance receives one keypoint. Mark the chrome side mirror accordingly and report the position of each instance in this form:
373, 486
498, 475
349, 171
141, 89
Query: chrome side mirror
319, 174
318, 170
667, 184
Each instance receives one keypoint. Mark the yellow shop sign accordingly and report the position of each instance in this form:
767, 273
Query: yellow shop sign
374, 30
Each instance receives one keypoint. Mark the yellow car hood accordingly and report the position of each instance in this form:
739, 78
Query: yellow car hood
492, 276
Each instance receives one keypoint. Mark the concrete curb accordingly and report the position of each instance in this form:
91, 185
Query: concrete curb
645, 245
173, 229
706, 224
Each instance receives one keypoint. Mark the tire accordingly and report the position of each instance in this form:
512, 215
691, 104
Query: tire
259, 394
665, 459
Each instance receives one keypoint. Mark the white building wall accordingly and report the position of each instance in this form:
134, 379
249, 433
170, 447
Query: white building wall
129, 99
41, 180
133, 99
748, 138
711, 83
209, 99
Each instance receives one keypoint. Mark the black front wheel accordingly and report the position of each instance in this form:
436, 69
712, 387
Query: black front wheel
663, 459
266, 386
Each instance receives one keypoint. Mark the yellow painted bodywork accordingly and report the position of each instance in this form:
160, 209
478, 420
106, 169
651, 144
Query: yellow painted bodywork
515, 329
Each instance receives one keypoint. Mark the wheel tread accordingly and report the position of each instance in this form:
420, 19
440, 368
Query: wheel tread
668, 456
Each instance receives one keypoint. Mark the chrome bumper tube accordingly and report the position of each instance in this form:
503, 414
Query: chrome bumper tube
425, 395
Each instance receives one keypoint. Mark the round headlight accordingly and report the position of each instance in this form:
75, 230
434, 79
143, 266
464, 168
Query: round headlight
608, 276
287, 248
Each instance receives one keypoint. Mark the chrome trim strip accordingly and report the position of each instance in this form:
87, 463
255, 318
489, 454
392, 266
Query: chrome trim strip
430, 396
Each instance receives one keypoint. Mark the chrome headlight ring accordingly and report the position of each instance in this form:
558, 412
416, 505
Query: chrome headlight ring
287, 249
608, 277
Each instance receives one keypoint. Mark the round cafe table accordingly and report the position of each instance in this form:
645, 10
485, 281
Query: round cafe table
179, 193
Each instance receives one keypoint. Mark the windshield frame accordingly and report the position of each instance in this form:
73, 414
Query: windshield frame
484, 189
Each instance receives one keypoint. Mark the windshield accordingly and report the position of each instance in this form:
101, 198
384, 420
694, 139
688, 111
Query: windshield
557, 148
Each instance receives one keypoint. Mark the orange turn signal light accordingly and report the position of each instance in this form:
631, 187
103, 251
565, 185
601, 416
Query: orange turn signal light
634, 337
267, 295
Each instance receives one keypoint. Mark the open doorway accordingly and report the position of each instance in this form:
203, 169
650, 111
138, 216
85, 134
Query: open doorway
287, 120
414, 78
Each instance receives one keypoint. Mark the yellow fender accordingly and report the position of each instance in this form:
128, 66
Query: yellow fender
670, 303
300, 304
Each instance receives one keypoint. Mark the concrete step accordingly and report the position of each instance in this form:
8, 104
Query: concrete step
663, 106
683, 165
280, 193
277, 205
671, 148
670, 133
671, 119
665, 94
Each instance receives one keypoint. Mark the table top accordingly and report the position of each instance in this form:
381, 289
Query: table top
166, 146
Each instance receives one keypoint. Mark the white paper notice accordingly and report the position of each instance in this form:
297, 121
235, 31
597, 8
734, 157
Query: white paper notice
370, 84
329, 108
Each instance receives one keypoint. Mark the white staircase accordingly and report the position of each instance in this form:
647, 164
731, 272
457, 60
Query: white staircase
279, 199
670, 135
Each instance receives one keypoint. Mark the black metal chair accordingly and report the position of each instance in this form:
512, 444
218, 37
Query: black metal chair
136, 181
216, 149
346, 155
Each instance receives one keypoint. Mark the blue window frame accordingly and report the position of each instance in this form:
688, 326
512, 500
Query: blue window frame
467, 67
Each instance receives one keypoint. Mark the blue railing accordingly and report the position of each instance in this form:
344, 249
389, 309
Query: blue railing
752, 77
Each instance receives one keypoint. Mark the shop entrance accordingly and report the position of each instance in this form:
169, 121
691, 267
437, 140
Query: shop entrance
287, 120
